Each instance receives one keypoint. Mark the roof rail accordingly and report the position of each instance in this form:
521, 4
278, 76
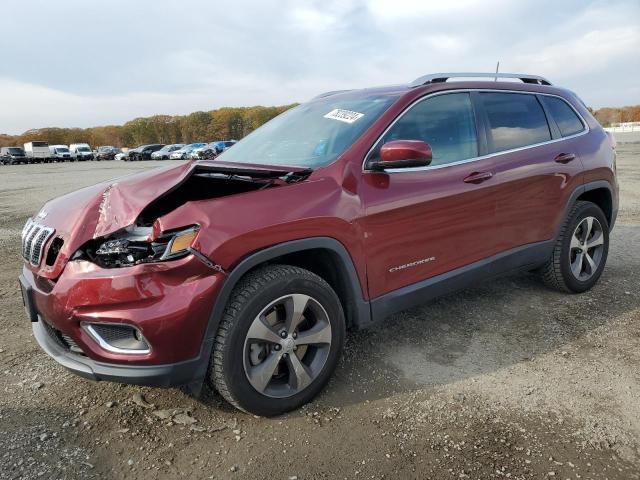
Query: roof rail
443, 77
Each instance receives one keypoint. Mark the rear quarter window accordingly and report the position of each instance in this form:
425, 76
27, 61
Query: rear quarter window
565, 117
515, 120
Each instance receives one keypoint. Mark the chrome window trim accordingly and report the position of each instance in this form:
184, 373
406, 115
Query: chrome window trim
87, 327
585, 130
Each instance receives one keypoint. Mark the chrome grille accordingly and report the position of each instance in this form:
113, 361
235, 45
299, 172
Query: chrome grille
34, 238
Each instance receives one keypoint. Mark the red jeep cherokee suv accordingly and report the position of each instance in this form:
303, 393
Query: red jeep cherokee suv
244, 273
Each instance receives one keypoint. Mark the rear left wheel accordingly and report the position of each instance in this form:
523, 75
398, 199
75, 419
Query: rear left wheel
581, 250
279, 340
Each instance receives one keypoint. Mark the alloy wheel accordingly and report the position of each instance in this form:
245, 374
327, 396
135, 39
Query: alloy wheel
287, 345
586, 248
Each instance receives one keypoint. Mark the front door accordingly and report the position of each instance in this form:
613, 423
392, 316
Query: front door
426, 221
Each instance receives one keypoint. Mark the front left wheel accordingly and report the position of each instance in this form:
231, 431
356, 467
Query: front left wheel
279, 340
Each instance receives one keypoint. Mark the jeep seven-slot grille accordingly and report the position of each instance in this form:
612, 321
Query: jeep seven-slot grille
34, 237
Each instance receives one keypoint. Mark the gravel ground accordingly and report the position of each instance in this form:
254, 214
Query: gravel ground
507, 380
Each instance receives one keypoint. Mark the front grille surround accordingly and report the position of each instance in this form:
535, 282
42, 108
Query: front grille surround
34, 239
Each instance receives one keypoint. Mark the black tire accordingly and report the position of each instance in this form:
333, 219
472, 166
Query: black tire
252, 294
557, 273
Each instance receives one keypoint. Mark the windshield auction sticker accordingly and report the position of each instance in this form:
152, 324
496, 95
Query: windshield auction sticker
346, 116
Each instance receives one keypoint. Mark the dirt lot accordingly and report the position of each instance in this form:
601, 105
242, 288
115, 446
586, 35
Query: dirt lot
507, 380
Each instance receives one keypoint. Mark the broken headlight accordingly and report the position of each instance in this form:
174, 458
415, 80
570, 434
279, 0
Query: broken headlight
134, 247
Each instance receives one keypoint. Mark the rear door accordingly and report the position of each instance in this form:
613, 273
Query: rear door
536, 168
421, 222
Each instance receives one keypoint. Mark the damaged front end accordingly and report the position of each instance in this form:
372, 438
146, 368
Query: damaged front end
143, 241
136, 245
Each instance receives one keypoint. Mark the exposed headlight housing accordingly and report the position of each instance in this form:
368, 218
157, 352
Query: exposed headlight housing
133, 247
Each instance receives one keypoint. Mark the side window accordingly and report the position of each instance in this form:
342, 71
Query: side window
445, 122
567, 120
515, 120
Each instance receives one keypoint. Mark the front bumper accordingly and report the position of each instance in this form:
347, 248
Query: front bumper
169, 303
167, 375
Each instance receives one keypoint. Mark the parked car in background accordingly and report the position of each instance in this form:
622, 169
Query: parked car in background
213, 149
131, 153
82, 151
164, 152
186, 151
106, 153
37, 151
60, 153
121, 156
12, 155
144, 152
196, 152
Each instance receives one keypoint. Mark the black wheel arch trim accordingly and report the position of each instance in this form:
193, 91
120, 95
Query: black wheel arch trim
587, 187
361, 310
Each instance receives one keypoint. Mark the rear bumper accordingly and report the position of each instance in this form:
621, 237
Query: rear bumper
168, 375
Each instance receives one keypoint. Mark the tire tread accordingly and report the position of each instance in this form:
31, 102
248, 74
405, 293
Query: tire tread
247, 287
551, 272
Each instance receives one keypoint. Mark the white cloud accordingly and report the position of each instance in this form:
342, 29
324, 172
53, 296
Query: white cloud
312, 19
397, 9
159, 56
583, 54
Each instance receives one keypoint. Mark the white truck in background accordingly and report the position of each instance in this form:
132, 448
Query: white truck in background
81, 151
37, 151
61, 153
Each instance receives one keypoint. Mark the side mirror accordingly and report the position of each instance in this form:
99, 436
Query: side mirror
404, 154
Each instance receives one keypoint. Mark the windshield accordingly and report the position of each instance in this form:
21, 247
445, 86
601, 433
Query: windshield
16, 151
62, 150
84, 149
311, 135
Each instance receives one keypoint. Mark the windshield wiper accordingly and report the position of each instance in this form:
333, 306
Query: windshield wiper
293, 175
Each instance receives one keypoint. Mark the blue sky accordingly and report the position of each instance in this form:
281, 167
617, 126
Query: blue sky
81, 63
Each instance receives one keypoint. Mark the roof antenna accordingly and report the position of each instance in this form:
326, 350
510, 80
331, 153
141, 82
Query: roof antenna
495, 79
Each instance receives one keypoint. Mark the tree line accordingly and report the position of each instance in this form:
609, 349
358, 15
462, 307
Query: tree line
608, 116
222, 124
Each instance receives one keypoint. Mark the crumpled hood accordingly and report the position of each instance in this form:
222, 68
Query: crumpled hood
108, 207
104, 208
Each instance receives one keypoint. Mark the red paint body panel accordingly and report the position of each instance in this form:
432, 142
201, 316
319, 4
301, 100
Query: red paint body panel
432, 220
416, 216
169, 302
531, 191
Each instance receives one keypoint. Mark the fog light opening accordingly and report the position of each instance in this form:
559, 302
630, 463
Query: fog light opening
118, 338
